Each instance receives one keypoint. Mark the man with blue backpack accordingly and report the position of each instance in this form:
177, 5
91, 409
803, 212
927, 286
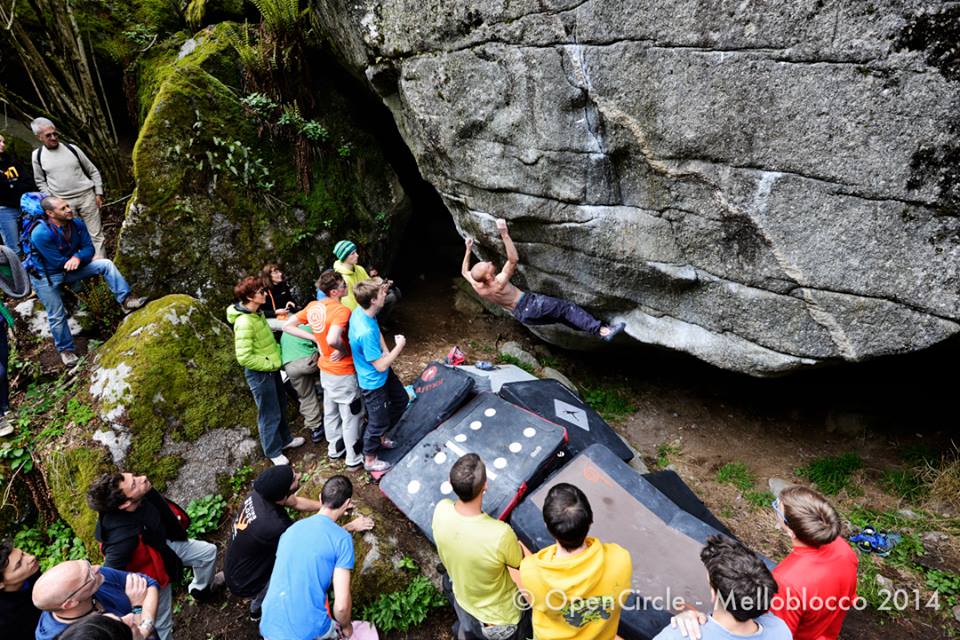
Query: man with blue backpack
60, 253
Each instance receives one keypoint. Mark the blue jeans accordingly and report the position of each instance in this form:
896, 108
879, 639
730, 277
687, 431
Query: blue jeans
9, 217
536, 309
267, 389
49, 293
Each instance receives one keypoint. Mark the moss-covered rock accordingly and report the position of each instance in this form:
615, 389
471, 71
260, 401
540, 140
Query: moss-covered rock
217, 196
169, 401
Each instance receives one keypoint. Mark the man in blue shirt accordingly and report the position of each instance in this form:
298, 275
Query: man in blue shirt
383, 393
64, 254
313, 554
74, 590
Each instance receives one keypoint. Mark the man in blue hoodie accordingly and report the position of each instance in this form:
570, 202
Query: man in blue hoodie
64, 255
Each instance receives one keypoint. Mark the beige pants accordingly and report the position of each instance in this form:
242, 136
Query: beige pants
86, 205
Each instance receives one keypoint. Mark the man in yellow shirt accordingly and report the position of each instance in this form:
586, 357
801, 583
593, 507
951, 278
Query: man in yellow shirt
477, 551
578, 586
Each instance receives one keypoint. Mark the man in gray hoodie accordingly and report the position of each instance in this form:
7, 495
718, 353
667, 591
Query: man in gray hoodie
65, 171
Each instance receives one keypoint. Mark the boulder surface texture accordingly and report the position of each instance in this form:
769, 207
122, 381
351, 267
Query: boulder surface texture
766, 186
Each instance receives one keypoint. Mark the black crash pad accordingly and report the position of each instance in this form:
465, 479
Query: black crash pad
671, 485
555, 402
517, 446
664, 541
441, 390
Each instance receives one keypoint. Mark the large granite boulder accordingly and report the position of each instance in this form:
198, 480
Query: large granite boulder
165, 397
765, 186
219, 193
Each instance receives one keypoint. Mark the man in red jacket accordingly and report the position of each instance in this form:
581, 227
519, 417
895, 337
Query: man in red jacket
818, 579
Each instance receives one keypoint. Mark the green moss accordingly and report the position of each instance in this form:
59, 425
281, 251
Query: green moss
68, 473
183, 380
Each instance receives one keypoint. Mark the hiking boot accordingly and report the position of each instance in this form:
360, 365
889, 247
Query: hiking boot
316, 435
280, 460
5, 427
205, 595
132, 303
377, 465
68, 358
296, 442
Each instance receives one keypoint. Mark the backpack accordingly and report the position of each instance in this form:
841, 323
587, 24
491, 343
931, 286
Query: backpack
33, 214
72, 149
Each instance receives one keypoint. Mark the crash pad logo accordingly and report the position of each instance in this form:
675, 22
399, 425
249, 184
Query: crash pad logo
429, 374
579, 612
574, 415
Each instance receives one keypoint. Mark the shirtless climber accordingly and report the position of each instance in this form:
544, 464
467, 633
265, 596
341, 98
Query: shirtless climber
526, 306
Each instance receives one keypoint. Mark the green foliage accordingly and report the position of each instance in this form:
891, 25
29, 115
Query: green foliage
206, 514
907, 551
664, 451
831, 474
406, 562
861, 516
101, 313
759, 499
78, 413
867, 586
505, 358
195, 12
51, 545
946, 584
279, 16
401, 610
219, 158
241, 478
261, 104
905, 483
737, 474
610, 402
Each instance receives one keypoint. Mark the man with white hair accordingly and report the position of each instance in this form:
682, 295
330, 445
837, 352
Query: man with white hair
64, 171
74, 590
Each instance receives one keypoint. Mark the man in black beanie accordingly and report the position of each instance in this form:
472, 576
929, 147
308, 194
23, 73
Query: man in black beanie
256, 532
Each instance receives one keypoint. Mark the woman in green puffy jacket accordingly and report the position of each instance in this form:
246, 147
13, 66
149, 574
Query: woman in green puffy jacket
259, 354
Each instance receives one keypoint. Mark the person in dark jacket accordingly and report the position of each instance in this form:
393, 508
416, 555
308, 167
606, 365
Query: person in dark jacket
15, 180
280, 302
139, 531
64, 254
18, 616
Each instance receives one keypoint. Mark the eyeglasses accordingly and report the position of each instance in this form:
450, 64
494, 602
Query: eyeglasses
91, 576
778, 508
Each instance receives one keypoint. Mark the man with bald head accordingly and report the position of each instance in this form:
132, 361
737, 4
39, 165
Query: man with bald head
526, 306
62, 254
75, 590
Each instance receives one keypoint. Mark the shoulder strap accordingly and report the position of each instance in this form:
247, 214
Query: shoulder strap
40, 162
76, 155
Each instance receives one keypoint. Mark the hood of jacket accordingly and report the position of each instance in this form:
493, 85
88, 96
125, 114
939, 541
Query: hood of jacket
236, 310
578, 574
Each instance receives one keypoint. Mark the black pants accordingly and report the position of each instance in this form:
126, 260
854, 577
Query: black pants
384, 408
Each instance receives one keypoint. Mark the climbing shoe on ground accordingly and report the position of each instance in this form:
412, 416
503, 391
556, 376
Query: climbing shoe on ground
68, 358
316, 435
132, 303
296, 442
378, 466
615, 330
280, 460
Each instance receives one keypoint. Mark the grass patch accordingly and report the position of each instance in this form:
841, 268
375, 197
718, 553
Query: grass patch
831, 474
760, 499
503, 358
610, 402
905, 483
737, 474
665, 450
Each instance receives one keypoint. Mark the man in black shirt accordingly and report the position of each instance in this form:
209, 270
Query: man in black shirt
18, 616
256, 533
140, 531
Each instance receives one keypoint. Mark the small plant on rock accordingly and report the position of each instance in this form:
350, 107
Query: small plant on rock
206, 514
